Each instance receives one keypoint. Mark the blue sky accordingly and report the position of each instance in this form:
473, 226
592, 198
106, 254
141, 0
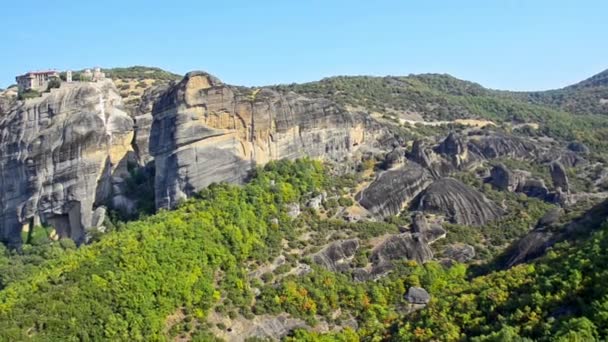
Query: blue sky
519, 45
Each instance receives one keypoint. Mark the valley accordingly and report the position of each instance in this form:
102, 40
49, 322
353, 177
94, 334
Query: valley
151, 206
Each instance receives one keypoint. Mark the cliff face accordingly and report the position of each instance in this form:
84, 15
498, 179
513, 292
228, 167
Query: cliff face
59, 155
204, 131
458, 202
65, 154
393, 189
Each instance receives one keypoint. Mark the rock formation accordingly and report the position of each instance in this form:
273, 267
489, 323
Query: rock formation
454, 148
402, 246
559, 176
506, 180
393, 189
534, 188
394, 158
460, 252
336, 256
417, 295
458, 202
497, 145
578, 147
204, 131
59, 158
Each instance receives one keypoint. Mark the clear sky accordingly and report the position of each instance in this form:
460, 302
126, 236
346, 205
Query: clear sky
509, 44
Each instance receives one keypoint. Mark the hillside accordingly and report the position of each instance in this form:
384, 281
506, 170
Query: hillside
148, 206
214, 264
442, 97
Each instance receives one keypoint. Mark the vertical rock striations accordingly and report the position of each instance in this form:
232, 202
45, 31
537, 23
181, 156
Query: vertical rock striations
204, 131
458, 202
59, 155
394, 189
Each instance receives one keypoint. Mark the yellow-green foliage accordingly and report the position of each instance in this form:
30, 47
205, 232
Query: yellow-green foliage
124, 286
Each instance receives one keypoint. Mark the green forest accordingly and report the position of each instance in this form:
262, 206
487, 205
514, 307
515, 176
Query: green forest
195, 260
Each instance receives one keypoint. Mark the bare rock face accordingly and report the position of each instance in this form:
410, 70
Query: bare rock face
402, 246
393, 189
504, 179
534, 188
336, 256
497, 145
204, 131
578, 147
454, 148
417, 295
59, 155
143, 121
460, 252
559, 176
458, 202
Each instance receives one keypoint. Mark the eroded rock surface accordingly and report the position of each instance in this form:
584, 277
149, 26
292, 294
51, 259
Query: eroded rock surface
559, 176
59, 156
458, 202
336, 256
500, 145
204, 131
393, 189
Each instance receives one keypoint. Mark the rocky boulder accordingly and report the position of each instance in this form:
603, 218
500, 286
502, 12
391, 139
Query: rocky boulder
506, 180
454, 148
402, 246
460, 252
534, 188
578, 147
393, 189
336, 256
417, 295
559, 176
458, 202
394, 158
495, 145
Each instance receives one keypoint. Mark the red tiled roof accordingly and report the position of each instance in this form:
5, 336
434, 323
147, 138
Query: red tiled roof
40, 72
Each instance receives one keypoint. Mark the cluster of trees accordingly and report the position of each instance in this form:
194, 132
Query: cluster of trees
198, 258
124, 286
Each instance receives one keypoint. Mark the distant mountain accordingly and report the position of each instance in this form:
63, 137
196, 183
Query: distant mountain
444, 97
586, 97
599, 80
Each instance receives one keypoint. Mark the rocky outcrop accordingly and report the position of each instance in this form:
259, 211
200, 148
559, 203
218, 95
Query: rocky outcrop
534, 188
337, 255
458, 202
506, 180
559, 176
460, 252
417, 295
204, 131
393, 189
496, 145
59, 157
518, 181
546, 234
402, 246
395, 158
454, 149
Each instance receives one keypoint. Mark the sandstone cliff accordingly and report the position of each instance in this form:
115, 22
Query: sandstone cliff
59, 156
65, 154
204, 131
